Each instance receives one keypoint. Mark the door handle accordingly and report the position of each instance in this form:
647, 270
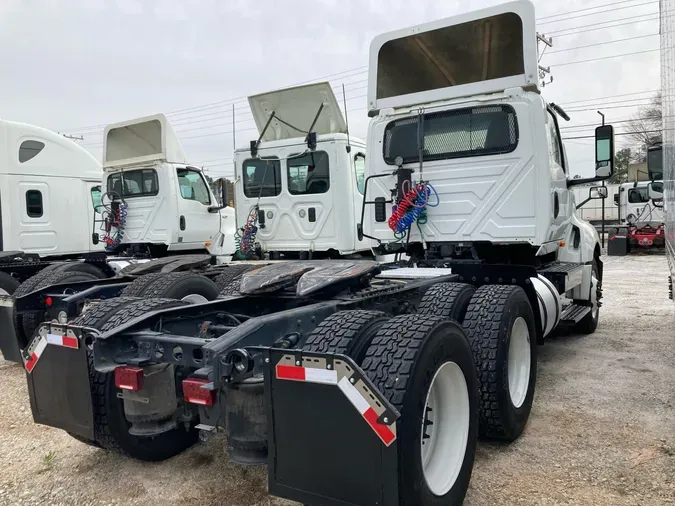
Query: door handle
181, 222
311, 214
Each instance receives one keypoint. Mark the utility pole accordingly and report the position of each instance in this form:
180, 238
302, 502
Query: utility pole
544, 71
603, 200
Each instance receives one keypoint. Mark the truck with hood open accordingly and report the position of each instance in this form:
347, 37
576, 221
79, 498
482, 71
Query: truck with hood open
300, 184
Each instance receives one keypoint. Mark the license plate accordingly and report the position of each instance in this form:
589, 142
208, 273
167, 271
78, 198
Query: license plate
6, 302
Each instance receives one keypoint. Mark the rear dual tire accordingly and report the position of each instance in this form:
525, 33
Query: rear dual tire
424, 367
500, 325
111, 428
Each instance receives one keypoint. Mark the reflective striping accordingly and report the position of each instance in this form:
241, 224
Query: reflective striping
324, 376
66, 341
370, 415
35, 354
353, 395
308, 374
291, 372
330, 377
385, 433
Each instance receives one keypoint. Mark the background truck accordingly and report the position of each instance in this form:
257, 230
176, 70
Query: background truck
49, 189
301, 183
360, 383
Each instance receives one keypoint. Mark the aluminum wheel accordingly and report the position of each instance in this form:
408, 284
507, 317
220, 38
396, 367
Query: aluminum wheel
520, 362
195, 298
445, 428
594, 297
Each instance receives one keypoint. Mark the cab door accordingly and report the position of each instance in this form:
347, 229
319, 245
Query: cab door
196, 224
561, 201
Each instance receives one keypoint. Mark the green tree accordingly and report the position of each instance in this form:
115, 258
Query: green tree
645, 128
622, 159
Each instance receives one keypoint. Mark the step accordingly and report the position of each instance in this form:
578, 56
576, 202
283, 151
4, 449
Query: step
574, 314
564, 275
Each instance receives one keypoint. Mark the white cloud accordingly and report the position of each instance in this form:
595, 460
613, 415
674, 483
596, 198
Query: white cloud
95, 61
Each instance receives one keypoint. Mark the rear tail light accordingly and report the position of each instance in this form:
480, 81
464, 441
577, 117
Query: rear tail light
48, 302
129, 378
195, 394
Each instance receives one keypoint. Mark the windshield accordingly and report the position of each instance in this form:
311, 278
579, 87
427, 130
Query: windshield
638, 195
475, 131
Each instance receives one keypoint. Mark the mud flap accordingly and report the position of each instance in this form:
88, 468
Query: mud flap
332, 435
9, 342
57, 370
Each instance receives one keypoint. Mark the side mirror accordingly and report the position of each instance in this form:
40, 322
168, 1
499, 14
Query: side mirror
594, 193
604, 152
655, 190
223, 193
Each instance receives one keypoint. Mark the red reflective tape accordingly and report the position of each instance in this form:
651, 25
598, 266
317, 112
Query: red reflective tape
70, 342
382, 430
30, 365
290, 372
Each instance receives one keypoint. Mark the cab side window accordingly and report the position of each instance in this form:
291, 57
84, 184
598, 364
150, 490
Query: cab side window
555, 146
360, 171
193, 186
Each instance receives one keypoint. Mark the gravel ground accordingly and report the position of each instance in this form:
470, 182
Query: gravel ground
602, 429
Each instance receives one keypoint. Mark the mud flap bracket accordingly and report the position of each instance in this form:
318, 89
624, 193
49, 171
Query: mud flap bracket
332, 435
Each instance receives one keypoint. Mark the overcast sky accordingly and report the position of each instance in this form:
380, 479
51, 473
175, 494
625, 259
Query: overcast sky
74, 65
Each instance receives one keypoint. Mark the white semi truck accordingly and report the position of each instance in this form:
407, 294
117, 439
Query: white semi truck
300, 184
360, 383
49, 187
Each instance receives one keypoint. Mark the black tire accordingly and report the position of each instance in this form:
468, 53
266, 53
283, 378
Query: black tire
590, 322
346, 332
488, 323
8, 283
402, 361
231, 273
96, 316
85, 268
230, 290
27, 323
449, 300
138, 285
111, 429
178, 285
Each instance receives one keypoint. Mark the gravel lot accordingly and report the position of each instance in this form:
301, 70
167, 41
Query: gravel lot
602, 429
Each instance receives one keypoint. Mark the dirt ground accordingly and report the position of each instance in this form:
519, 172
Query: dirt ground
602, 430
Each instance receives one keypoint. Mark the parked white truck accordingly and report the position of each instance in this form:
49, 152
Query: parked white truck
360, 383
300, 184
49, 187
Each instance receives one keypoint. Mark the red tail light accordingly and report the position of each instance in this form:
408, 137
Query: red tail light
49, 301
129, 378
195, 394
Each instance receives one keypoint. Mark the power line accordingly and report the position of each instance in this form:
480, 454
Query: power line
602, 43
567, 18
631, 20
604, 58
587, 9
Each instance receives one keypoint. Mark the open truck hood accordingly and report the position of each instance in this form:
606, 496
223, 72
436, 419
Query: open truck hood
297, 106
480, 52
140, 141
